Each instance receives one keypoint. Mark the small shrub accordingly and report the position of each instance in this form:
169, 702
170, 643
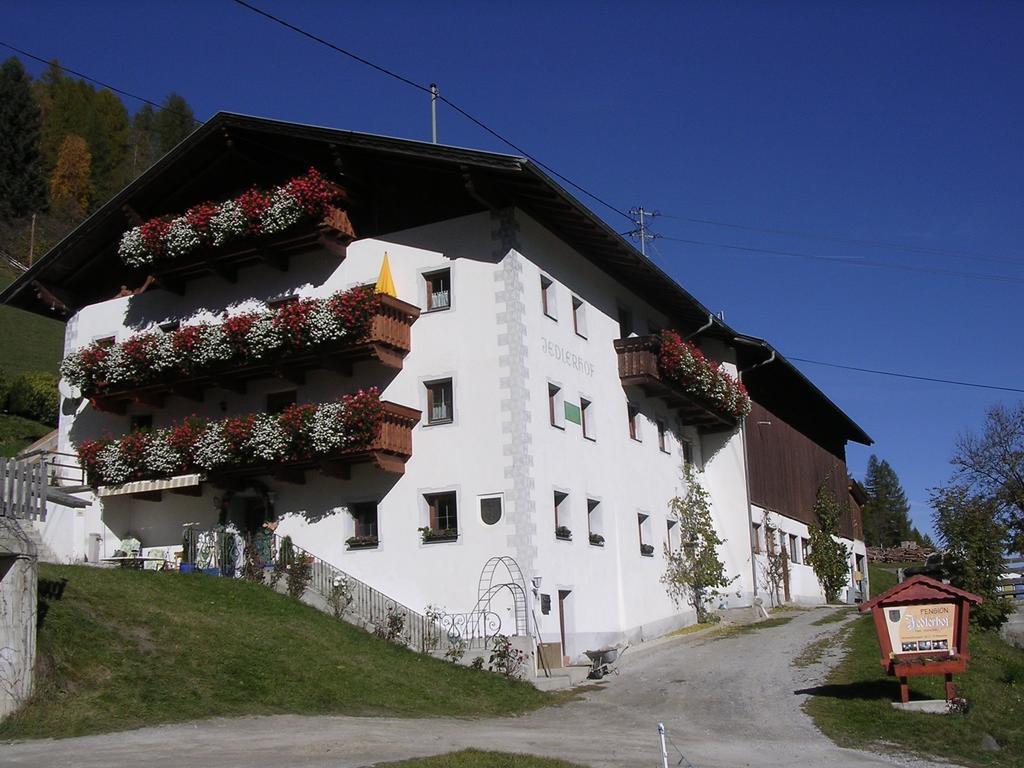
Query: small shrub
340, 597
432, 634
251, 569
477, 663
457, 650
299, 575
391, 627
34, 396
285, 555
506, 660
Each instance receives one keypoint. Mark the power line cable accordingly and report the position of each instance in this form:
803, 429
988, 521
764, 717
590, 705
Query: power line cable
98, 82
440, 97
851, 240
905, 375
856, 262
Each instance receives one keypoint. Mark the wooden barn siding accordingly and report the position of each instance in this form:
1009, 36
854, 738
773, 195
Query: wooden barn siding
786, 468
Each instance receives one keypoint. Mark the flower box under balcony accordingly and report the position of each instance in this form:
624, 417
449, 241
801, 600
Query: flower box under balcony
387, 340
331, 438
333, 233
640, 365
260, 226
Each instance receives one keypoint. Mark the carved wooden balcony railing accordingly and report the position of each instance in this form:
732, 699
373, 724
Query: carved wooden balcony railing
638, 367
388, 341
389, 451
334, 232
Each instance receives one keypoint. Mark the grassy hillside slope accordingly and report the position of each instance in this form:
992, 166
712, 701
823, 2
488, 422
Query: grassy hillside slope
123, 649
28, 342
16, 433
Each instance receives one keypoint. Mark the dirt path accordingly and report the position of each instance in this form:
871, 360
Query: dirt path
725, 701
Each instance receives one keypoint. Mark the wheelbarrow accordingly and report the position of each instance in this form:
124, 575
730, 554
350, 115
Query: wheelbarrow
605, 660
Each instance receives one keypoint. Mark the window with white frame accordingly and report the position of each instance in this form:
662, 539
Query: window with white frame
757, 537
794, 549
442, 512
687, 448
587, 418
595, 525
579, 317
672, 534
633, 416
562, 522
643, 525
440, 401
662, 436
439, 289
556, 406
547, 297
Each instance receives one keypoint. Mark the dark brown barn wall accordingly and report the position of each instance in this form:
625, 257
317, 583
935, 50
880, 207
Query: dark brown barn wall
786, 468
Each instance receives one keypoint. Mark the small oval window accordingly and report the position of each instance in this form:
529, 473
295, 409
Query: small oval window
490, 510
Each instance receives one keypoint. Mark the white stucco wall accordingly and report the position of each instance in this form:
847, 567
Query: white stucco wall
501, 352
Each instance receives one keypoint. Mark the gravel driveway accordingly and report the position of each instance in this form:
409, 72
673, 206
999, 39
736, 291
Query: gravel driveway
725, 701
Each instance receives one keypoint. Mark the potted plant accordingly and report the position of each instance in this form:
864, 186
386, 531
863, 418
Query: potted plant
647, 550
597, 539
361, 542
563, 533
445, 534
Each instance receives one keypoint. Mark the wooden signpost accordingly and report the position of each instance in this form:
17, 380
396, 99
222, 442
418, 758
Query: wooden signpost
922, 630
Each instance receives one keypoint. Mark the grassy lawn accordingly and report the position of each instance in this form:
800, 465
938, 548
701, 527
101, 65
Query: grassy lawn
124, 649
474, 758
29, 342
853, 707
16, 433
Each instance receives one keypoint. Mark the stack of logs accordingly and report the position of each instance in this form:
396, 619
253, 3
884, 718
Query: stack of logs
906, 552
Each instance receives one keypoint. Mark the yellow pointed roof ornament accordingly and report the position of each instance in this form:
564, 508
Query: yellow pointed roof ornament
385, 283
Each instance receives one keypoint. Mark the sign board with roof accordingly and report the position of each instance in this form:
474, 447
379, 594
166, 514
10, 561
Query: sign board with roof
922, 627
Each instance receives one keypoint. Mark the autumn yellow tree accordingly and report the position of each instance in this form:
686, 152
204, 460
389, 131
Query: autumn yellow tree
71, 182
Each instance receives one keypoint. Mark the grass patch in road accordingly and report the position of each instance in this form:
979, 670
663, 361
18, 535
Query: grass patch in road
832, 618
816, 651
475, 758
853, 707
732, 630
125, 649
17, 433
692, 628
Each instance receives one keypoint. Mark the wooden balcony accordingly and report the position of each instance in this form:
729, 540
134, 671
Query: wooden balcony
388, 342
333, 233
638, 367
388, 452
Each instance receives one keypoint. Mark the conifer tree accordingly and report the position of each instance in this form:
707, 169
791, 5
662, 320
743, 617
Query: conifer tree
22, 183
886, 514
972, 537
174, 122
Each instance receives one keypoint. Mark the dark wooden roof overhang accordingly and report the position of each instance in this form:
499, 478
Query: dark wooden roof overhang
393, 184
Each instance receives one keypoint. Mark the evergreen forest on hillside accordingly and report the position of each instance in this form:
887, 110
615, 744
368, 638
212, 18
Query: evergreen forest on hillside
66, 148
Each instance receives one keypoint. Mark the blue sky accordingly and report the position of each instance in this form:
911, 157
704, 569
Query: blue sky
881, 121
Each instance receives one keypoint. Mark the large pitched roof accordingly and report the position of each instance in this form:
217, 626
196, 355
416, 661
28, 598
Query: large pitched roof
397, 184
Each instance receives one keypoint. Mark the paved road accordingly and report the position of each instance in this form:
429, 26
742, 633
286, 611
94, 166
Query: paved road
726, 703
